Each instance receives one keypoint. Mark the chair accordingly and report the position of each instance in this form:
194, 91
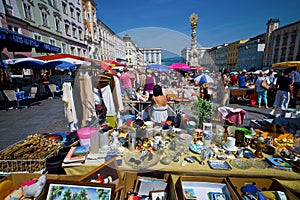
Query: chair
12, 97
32, 95
53, 90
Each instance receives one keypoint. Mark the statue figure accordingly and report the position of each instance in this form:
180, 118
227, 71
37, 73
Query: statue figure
259, 145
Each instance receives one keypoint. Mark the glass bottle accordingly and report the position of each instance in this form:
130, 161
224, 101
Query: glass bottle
95, 141
132, 140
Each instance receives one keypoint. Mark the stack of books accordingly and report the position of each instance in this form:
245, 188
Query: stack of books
279, 163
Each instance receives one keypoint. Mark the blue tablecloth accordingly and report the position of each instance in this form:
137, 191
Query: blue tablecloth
20, 94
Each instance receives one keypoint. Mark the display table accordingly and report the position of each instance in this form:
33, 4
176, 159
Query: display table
292, 123
237, 91
194, 169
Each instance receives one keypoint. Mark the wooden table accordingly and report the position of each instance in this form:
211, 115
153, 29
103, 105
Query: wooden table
194, 169
237, 91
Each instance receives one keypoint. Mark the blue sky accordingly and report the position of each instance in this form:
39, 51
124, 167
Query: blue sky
220, 21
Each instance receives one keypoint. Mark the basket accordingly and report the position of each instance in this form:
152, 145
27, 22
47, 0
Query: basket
13, 158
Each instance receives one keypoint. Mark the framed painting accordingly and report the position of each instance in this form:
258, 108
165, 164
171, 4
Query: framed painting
107, 173
60, 189
158, 195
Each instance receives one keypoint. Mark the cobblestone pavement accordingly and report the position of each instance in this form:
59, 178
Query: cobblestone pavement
48, 117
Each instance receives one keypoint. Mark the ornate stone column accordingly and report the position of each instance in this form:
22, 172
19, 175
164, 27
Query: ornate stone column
194, 54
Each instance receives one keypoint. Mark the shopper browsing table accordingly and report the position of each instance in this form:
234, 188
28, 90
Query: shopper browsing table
159, 108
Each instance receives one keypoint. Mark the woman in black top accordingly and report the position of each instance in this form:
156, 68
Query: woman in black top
284, 92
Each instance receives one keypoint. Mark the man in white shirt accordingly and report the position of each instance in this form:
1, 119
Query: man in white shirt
296, 85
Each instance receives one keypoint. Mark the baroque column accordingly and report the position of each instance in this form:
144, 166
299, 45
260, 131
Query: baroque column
194, 54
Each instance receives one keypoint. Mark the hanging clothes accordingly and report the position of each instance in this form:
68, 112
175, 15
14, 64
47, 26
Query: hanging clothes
84, 99
69, 106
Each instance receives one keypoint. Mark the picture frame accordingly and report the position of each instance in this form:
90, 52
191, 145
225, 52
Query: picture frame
106, 170
158, 195
70, 189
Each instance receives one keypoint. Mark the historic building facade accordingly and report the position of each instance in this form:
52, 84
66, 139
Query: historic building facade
283, 44
251, 53
232, 54
151, 56
132, 51
221, 56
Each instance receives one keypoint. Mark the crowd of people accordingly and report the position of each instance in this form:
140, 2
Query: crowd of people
275, 89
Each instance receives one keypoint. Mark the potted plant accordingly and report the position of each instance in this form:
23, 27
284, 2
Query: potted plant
203, 109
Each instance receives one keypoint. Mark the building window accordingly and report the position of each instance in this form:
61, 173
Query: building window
37, 37
65, 8
72, 12
67, 28
74, 30
52, 42
27, 10
58, 24
80, 35
55, 4
63, 48
44, 18
7, 2
78, 16
73, 50
14, 28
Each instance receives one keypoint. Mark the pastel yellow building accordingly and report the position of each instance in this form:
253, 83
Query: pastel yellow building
232, 54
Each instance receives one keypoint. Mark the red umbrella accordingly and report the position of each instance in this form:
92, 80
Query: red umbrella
113, 63
180, 66
199, 68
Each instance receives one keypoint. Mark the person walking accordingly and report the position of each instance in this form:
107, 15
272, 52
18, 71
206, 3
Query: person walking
296, 87
242, 80
149, 83
261, 92
125, 81
284, 92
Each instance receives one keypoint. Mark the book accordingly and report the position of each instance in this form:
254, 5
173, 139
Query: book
279, 163
77, 154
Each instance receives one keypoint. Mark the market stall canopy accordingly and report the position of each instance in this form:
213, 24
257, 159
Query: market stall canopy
59, 65
73, 61
180, 66
94, 63
158, 67
16, 42
30, 63
203, 78
288, 64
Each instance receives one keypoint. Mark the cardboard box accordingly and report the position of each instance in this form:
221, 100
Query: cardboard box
18, 178
262, 184
203, 180
130, 179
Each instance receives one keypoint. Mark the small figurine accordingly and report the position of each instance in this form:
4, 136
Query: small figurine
100, 178
259, 145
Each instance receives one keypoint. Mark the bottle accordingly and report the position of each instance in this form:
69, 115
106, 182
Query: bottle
218, 138
95, 141
132, 140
